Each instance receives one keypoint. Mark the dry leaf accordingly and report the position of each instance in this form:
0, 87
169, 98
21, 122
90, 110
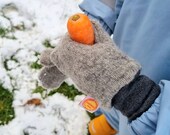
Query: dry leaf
34, 101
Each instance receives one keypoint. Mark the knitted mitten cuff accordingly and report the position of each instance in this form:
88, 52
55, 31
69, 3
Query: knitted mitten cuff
137, 97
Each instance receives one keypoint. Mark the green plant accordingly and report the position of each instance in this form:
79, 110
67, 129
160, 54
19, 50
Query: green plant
37, 54
66, 90
36, 65
40, 90
91, 115
6, 109
47, 43
3, 32
5, 64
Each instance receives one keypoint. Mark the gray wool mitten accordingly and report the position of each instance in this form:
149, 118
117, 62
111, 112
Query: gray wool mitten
50, 76
99, 71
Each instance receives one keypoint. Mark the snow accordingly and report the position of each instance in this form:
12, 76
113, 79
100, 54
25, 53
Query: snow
36, 21
56, 115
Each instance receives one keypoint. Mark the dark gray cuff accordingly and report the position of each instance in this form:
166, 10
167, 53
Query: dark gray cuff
137, 97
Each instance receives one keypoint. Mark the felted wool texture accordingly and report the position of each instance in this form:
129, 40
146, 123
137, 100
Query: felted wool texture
45, 57
51, 77
100, 70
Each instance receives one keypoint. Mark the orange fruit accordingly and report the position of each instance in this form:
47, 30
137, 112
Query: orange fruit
80, 29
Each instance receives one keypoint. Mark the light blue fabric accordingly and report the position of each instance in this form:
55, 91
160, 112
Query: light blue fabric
100, 11
103, 24
141, 28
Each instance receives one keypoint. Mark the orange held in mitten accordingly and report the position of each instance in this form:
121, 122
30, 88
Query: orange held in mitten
100, 126
80, 29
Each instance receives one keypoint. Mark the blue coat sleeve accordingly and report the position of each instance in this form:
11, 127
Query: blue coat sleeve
156, 120
102, 12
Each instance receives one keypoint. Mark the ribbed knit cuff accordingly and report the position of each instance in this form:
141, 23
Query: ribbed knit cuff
137, 97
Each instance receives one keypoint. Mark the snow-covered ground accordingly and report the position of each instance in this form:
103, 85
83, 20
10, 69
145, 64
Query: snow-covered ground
36, 21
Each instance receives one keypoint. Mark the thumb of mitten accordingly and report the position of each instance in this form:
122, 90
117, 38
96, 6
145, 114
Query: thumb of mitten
51, 77
45, 58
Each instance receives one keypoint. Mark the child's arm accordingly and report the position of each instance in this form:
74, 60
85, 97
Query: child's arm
156, 119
